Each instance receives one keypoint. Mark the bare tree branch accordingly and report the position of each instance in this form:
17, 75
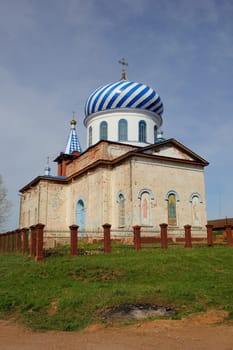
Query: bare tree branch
5, 204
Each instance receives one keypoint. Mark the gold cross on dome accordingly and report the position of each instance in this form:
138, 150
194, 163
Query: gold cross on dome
124, 65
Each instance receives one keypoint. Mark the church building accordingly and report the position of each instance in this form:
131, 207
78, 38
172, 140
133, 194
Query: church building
128, 175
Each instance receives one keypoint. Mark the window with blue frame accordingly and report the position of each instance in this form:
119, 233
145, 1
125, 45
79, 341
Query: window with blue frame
90, 137
103, 130
122, 130
142, 131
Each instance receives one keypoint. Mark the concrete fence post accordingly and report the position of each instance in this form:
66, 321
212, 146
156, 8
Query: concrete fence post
163, 232
39, 242
73, 239
210, 239
107, 238
137, 237
32, 239
188, 238
24, 240
228, 229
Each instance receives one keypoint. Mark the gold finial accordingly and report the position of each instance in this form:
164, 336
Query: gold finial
124, 64
73, 121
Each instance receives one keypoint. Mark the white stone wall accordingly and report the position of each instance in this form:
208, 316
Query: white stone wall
29, 208
54, 204
159, 177
46, 203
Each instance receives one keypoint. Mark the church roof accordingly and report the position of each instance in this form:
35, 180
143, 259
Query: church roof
124, 94
36, 180
170, 151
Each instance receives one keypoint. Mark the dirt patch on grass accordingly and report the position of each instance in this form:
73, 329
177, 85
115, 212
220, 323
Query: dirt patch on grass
196, 332
139, 311
53, 308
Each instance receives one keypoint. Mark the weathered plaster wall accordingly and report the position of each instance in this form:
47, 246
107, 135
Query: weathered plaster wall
46, 203
54, 204
102, 151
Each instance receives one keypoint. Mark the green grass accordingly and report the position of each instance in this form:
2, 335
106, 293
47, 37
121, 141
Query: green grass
68, 293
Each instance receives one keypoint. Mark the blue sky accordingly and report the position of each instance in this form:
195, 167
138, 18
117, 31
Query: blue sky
54, 53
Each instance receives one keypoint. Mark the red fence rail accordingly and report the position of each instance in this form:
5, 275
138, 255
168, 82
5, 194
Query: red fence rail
31, 240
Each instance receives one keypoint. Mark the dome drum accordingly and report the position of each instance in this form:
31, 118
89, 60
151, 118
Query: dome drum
112, 120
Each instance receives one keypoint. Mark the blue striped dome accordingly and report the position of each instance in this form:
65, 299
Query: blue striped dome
124, 94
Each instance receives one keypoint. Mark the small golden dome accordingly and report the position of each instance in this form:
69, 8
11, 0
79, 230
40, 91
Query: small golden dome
73, 122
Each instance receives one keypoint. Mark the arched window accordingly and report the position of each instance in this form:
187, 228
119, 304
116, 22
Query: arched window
172, 209
172, 198
103, 130
195, 202
145, 196
81, 216
155, 133
90, 136
142, 131
121, 201
122, 130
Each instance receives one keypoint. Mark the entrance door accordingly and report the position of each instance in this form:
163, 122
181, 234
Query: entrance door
81, 217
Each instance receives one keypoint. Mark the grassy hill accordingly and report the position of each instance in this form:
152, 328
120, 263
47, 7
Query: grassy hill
69, 293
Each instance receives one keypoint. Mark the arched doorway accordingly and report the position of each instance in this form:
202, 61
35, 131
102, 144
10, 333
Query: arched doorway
81, 217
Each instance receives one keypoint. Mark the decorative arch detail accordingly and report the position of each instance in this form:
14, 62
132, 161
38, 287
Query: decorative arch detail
119, 196
146, 190
195, 194
172, 192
